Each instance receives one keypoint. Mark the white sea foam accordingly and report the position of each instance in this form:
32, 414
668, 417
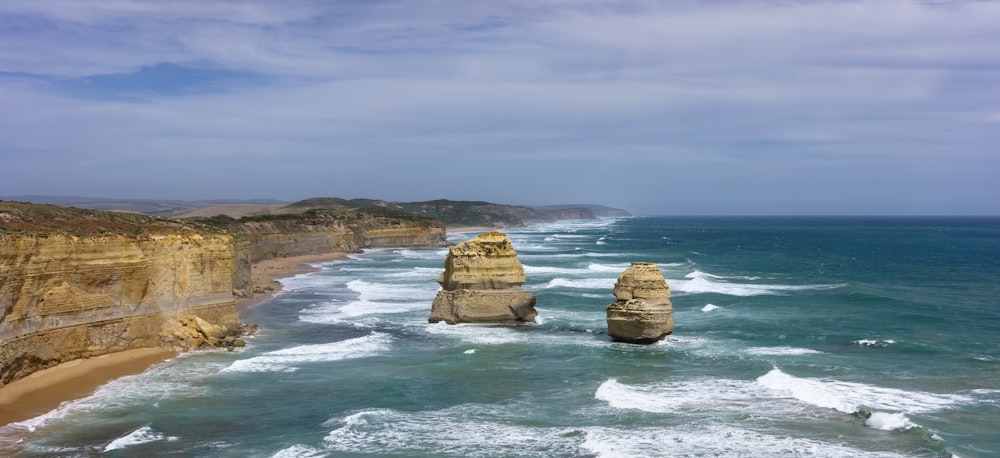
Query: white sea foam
595, 267
769, 394
488, 334
476, 430
581, 283
465, 430
711, 440
530, 270
874, 342
470, 351
143, 435
158, 381
423, 254
288, 360
700, 282
591, 268
373, 299
429, 273
369, 291
303, 281
850, 396
889, 421
300, 451
780, 351
670, 396
709, 307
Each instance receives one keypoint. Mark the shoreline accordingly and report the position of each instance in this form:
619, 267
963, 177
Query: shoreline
264, 275
45, 390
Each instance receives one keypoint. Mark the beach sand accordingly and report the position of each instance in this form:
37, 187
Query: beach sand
265, 274
45, 390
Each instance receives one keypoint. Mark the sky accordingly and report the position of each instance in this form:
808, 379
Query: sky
684, 107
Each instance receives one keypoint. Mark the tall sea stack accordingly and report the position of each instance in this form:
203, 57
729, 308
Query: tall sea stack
481, 283
642, 313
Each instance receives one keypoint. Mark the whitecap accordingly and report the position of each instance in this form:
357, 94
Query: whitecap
581, 283
531, 270
709, 307
889, 421
490, 334
711, 440
429, 254
670, 396
782, 350
300, 451
699, 282
470, 351
465, 430
287, 360
848, 397
874, 342
595, 267
143, 435
304, 281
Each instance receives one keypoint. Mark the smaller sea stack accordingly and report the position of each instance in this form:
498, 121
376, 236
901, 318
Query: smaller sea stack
481, 283
642, 313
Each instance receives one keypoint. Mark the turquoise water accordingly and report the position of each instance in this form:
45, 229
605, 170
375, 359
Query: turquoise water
795, 337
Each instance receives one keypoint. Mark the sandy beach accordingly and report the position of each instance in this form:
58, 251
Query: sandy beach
45, 390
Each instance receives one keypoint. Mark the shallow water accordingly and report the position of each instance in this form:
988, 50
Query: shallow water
795, 336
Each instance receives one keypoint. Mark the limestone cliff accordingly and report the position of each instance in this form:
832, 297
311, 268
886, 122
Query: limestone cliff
105, 283
642, 312
481, 283
325, 232
80, 283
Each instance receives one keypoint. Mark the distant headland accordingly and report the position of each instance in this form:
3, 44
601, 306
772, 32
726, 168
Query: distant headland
452, 213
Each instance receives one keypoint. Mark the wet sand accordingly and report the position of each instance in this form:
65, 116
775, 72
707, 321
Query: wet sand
44, 390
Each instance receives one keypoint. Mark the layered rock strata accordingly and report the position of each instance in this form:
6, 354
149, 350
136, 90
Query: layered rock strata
481, 283
65, 297
642, 312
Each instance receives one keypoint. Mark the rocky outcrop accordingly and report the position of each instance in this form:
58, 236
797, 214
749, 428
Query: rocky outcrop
192, 332
481, 283
642, 313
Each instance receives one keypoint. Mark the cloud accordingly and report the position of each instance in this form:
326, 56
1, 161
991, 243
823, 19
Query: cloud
796, 100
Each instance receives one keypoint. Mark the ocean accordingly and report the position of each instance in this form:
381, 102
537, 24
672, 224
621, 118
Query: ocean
804, 336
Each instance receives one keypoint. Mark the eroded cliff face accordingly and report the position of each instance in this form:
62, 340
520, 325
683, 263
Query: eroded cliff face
642, 312
81, 283
64, 297
481, 283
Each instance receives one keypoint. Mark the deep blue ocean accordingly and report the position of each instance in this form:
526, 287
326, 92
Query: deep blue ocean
807, 336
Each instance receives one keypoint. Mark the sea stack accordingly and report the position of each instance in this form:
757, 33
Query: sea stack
642, 313
481, 283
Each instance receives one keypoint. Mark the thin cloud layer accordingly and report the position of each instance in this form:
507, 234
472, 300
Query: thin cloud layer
660, 107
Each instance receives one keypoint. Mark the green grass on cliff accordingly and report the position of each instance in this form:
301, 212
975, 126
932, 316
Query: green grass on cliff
43, 219
37, 219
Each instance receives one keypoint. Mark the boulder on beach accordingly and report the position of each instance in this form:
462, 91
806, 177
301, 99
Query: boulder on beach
481, 283
642, 312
